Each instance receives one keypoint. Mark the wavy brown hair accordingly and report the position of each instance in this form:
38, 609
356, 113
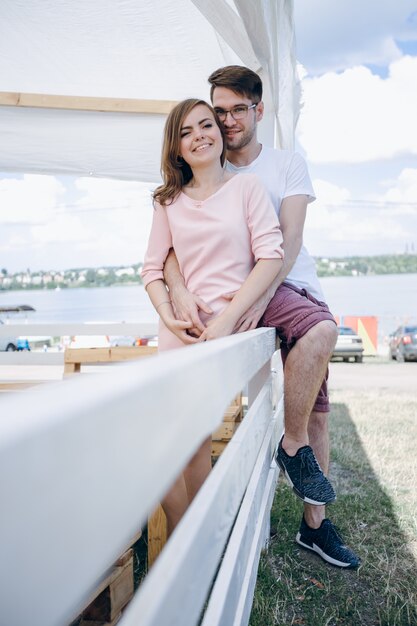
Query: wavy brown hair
174, 170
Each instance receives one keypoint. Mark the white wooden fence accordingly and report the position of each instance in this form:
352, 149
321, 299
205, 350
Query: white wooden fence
65, 329
84, 461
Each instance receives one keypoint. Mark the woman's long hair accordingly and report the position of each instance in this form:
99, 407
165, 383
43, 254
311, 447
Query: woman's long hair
174, 170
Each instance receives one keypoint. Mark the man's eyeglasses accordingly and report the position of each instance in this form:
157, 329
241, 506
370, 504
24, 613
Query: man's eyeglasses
238, 113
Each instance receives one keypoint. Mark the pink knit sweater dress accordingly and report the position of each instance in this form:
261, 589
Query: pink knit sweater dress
217, 242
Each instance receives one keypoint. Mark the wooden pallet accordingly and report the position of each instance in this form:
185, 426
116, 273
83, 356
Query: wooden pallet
113, 594
75, 357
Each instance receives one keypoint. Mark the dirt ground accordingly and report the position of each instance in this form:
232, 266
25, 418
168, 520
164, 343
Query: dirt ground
374, 372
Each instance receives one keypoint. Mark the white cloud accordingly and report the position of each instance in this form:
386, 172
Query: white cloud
30, 199
339, 225
335, 35
105, 222
402, 196
126, 222
61, 228
357, 116
99, 193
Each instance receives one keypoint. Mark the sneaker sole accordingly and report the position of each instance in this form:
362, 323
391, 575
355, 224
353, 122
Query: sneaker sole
298, 493
323, 555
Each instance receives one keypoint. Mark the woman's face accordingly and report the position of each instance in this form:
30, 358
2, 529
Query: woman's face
201, 141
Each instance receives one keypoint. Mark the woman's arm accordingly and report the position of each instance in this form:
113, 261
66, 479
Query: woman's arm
159, 297
187, 304
159, 245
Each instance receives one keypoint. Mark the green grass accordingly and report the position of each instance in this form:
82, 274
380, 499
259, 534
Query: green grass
374, 470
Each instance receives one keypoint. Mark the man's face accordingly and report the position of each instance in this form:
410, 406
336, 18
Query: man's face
239, 133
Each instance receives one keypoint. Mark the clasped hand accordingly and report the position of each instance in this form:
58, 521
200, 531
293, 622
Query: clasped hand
189, 327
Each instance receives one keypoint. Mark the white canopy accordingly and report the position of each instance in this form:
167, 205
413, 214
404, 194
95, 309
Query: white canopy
114, 69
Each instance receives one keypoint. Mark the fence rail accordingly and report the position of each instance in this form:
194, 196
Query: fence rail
84, 461
67, 328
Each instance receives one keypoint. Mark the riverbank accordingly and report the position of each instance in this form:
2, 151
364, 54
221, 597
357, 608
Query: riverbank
392, 299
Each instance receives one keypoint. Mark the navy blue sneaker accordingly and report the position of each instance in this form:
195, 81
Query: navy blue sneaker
305, 476
327, 543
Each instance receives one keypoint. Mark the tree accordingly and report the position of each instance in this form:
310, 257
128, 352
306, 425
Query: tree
90, 276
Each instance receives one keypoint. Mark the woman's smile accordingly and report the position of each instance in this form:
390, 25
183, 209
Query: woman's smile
201, 147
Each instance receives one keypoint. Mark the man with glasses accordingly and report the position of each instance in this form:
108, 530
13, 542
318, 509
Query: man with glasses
294, 305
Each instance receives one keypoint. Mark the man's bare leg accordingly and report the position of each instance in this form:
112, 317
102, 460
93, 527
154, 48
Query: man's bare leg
318, 433
305, 369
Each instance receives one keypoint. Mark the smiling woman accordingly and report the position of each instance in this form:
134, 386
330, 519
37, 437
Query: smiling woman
227, 239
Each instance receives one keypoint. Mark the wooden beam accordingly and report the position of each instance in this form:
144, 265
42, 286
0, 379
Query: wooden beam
86, 103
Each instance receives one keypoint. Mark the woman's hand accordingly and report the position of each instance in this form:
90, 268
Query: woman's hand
187, 306
177, 327
220, 326
180, 328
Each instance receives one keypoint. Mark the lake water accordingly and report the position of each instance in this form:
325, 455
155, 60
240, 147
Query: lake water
392, 298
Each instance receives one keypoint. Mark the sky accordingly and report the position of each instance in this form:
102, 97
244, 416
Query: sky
357, 130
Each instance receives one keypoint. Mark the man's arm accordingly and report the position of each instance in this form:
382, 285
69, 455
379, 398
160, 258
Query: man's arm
186, 304
254, 286
292, 217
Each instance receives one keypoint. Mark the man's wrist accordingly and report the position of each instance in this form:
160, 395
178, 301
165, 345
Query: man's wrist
229, 316
177, 287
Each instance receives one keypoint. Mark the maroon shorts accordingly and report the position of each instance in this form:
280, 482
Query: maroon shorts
293, 311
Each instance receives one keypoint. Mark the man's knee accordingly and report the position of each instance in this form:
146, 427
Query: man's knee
323, 337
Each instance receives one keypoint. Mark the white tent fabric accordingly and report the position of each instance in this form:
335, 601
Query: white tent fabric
146, 50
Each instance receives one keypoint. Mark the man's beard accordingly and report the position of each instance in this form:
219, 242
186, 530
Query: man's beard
244, 139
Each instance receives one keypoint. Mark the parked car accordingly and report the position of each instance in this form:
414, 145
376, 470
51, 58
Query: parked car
348, 345
403, 344
122, 341
89, 341
10, 344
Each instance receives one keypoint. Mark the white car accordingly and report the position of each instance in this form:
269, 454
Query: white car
348, 345
89, 341
8, 344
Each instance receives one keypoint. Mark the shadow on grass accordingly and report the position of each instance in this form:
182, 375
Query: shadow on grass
295, 586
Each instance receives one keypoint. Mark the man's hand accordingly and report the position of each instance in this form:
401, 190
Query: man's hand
251, 317
187, 306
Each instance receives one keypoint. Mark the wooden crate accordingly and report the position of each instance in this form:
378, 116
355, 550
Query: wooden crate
75, 357
115, 591
223, 434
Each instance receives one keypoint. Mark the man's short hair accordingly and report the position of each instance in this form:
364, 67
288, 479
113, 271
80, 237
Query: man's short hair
239, 79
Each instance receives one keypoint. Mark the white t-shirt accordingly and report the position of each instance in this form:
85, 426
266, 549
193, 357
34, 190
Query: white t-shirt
284, 173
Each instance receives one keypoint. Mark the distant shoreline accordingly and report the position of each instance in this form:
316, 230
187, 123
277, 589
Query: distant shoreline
63, 287
384, 265
87, 278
